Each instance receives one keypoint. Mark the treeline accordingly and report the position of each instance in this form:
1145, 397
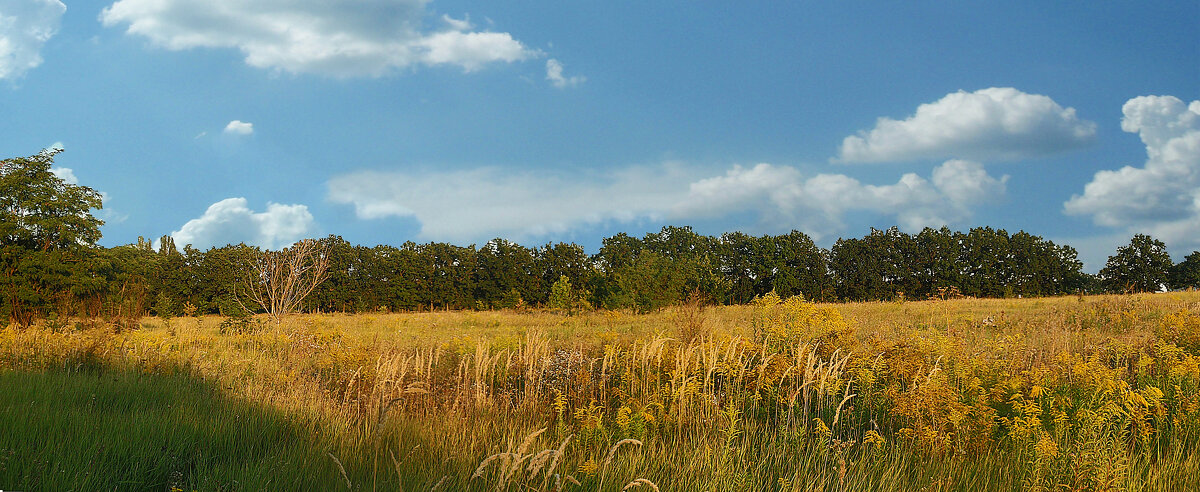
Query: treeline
50, 266
642, 274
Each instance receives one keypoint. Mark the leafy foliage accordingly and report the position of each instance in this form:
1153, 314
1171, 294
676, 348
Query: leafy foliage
1186, 274
46, 230
1141, 266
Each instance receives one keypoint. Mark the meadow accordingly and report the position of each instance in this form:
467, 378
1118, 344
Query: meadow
1070, 393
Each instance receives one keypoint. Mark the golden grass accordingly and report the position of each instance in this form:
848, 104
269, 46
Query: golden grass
1095, 393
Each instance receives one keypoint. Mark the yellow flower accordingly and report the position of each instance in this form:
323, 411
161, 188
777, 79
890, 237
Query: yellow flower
1046, 448
589, 467
873, 438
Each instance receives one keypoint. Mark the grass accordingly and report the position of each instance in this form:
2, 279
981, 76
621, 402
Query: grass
128, 430
1069, 393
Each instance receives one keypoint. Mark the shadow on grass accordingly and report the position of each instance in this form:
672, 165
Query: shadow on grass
108, 429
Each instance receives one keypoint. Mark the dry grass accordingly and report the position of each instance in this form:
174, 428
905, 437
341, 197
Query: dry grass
1090, 393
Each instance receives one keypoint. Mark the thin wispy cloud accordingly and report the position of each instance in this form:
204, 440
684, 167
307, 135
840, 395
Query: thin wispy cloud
554, 73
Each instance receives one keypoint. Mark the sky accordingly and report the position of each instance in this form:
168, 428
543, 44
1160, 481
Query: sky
385, 121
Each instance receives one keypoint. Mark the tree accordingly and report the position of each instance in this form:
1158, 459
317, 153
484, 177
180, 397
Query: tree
798, 267
743, 264
1140, 266
878, 266
450, 272
280, 280
46, 225
505, 274
650, 283
566, 298
938, 260
554, 261
1186, 274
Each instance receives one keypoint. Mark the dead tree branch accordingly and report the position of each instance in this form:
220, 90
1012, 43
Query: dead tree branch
280, 280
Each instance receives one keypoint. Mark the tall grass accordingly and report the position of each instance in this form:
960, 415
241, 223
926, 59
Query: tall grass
1072, 393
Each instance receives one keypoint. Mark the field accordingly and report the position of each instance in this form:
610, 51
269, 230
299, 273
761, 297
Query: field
1067, 393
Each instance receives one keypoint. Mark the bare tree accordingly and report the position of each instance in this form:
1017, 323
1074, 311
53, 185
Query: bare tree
280, 280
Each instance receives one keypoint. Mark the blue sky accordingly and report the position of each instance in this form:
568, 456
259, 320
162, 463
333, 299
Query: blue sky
391, 120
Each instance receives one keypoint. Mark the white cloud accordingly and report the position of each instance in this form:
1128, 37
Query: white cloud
816, 204
230, 221
457, 24
475, 205
26, 25
341, 39
554, 73
471, 50
478, 204
1161, 198
238, 127
65, 174
967, 183
995, 123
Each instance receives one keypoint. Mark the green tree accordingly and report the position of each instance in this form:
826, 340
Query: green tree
450, 274
878, 266
505, 275
744, 266
694, 257
222, 271
46, 225
797, 266
566, 298
650, 283
1186, 274
938, 256
554, 261
1141, 266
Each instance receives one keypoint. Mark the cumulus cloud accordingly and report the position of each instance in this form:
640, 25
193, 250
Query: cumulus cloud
998, 123
816, 204
26, 25
341, 39
230, 221
238, 127
554, 73
1162, 197
474, 205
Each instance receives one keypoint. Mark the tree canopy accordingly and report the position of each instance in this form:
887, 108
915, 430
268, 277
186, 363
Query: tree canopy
40, 211
46, 232
1186, 274
1141, 266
